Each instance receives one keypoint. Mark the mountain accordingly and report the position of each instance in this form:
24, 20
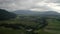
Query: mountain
26, 12
45, 13
5, 15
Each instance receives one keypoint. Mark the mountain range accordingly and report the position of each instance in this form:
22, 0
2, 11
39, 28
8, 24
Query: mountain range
44, 13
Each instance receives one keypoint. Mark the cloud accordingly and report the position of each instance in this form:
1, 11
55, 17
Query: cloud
53, 1
54, 6
37, 5
16, 4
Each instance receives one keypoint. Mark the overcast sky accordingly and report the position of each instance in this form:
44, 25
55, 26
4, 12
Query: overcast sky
35, 5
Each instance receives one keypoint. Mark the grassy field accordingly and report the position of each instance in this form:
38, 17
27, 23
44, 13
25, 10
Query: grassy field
52, 28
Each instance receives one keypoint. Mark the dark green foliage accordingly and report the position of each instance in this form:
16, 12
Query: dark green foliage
28, 23
5, 15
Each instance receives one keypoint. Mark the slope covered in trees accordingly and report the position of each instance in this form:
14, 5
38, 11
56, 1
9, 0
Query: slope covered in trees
4, 15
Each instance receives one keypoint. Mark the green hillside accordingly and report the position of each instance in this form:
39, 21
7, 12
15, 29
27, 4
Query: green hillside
52, 28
